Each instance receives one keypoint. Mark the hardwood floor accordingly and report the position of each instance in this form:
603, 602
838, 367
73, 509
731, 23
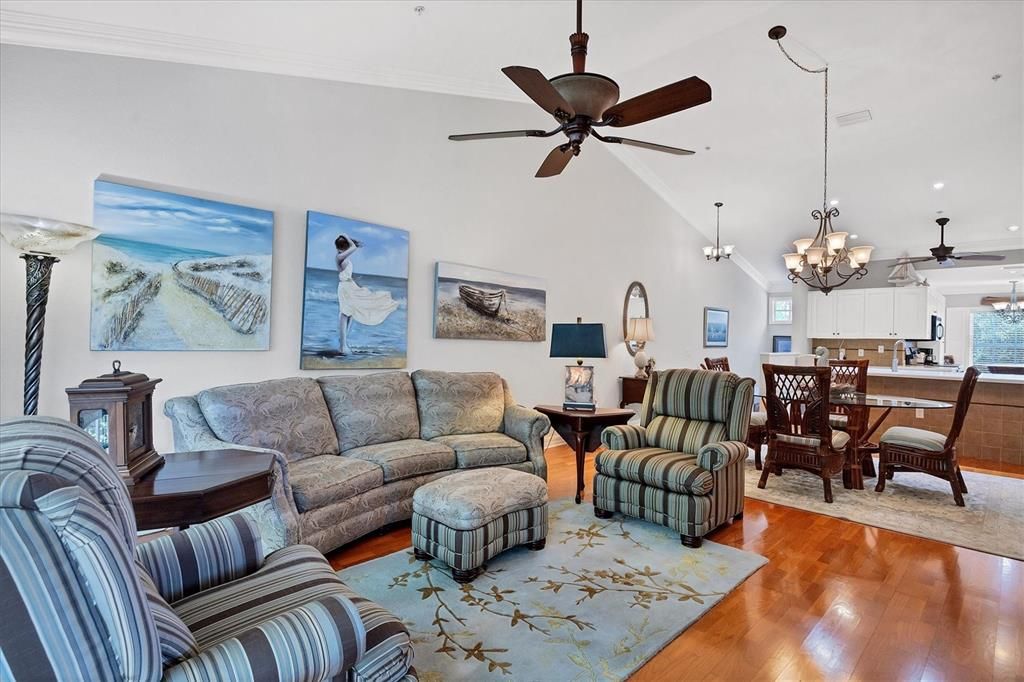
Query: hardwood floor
837, 600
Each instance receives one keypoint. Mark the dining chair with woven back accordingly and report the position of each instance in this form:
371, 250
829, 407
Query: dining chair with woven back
903, 448
852, 375
799, 433
757, 434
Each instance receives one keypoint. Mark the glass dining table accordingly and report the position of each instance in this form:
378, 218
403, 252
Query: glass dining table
861, 431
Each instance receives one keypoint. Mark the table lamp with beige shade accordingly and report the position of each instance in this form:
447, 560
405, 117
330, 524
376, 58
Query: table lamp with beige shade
40, 241
640, 331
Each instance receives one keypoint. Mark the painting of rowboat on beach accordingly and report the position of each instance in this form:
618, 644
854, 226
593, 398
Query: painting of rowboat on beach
475, 303
175, 272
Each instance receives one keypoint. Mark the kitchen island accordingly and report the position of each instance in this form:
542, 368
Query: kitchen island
994, 429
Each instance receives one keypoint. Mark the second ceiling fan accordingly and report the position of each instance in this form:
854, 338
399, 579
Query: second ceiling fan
944, 255
581, 102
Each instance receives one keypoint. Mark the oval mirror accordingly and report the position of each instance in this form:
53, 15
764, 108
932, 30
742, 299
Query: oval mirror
636, 305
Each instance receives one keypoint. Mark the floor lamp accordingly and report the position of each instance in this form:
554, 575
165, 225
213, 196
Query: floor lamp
40, 241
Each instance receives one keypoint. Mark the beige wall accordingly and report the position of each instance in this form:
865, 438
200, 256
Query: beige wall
291, 144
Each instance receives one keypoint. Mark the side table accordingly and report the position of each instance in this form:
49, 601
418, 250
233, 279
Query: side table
195, 487
633, 390
582, 431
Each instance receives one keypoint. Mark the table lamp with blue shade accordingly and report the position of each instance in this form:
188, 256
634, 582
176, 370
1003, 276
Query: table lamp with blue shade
578, 341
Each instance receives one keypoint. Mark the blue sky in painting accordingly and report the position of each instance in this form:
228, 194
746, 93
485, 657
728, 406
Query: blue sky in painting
384, 251
177, 220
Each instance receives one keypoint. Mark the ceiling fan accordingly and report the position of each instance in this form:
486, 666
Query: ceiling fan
944, 254
581, 102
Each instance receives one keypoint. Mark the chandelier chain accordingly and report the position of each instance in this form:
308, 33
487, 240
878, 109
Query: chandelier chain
824, 70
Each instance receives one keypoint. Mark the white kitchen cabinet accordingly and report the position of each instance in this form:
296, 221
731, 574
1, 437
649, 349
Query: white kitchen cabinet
849, 313
821, 316
879, 307
912, 313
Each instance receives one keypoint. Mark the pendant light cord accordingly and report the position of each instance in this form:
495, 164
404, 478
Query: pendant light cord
824, 70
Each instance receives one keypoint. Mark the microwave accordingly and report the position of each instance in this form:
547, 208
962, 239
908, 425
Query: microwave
937, 330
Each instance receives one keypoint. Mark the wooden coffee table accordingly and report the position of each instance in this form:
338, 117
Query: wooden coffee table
582, 431
195, 487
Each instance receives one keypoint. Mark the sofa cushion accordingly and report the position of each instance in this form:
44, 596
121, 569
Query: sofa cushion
453, 403
319, 481
287, 415
665, 469
406, 458
371, 408
484, 449
470, 499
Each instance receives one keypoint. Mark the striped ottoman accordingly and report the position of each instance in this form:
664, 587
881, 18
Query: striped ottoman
468, 517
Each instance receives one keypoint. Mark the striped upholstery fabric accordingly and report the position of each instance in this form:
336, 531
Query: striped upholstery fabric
657, 467
203, 556
468, 549
839, 440
686, 514
176, 641
389, 651
73, 606
687, 473
759, 418
624, 437
838, 421
684, 435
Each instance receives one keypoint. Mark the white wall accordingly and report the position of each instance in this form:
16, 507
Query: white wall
290, 144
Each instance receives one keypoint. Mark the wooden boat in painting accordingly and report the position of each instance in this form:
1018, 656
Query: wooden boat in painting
483, 301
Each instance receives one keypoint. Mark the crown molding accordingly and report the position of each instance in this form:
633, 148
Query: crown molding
651, 179
59, 33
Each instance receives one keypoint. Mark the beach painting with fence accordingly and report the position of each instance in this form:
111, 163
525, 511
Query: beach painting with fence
475, 303
175, 272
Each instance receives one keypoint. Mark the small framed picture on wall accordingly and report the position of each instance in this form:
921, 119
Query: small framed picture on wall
716, 327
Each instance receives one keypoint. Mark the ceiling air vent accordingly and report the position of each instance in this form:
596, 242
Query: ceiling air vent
854, 118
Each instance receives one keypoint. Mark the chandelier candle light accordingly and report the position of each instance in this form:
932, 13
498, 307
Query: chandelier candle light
718, 252
1011, 310
823, 262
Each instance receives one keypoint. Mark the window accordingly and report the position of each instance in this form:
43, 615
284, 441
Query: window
780, 310
996, 340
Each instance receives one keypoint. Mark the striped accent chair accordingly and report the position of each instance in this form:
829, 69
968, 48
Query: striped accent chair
682, 467
83, 602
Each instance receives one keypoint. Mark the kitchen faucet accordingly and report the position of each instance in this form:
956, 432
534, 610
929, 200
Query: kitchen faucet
895, 358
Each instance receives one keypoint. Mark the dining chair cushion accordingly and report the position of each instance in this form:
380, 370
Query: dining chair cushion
907, 436
839, 440
838, 421
758, 418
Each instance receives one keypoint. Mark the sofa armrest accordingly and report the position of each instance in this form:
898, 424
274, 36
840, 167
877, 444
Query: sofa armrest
277, 518
624, 437
529, 428
204, 556
316, 641
716, 456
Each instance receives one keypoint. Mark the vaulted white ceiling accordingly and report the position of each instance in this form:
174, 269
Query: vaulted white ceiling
924, 69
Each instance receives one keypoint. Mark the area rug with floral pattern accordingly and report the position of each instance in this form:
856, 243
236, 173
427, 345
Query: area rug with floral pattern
602, 598
913, 503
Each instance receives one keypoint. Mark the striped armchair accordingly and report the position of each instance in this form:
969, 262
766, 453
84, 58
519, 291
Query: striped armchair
683, 466
83, 602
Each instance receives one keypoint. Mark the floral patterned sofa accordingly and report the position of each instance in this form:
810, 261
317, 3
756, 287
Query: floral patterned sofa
351, 450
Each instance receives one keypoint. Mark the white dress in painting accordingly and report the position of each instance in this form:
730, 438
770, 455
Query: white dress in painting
362, 305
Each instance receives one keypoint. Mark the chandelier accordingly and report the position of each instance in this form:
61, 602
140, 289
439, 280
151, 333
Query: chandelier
1011, 310
824, 261
718, 252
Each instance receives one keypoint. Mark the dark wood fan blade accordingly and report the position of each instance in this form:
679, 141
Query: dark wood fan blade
661, 102
919, 259
978, 256
646, 145
494, 136
536, 86
556, 161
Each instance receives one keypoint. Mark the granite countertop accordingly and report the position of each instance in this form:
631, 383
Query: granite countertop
941, 374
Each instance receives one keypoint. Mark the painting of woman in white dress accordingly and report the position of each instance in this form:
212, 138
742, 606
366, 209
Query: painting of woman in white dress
355, 296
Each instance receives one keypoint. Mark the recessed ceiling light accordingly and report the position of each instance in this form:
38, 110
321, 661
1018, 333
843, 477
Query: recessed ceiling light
1013, 228
854, 236
939, 185
834, 202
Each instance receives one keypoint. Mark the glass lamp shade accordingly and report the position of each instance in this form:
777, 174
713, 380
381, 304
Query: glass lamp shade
1001, 305
793, 261
728, 249
802, 245
836, 241
814, 255
861, 254
641, 329
709, 251
42, 236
